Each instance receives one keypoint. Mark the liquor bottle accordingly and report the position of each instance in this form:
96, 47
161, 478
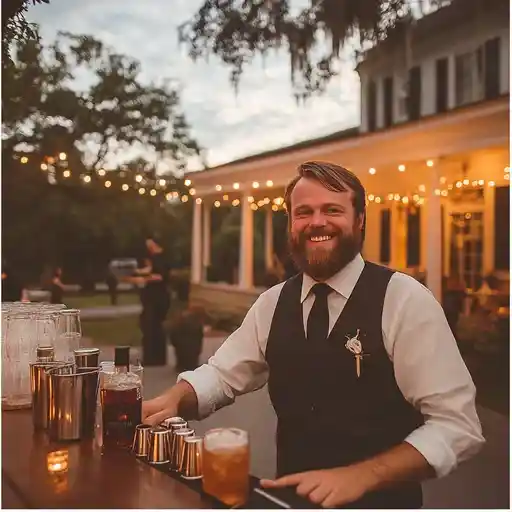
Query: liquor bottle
121, 402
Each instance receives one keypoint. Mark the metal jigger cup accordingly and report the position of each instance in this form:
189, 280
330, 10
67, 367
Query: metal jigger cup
178, 441
172, 421
191, 464
176, 425
158, 447
140, 446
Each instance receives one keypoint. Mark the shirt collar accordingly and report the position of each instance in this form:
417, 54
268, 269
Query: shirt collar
343, 282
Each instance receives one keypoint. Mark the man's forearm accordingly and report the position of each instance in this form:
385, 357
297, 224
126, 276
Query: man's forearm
186, 399
402, 463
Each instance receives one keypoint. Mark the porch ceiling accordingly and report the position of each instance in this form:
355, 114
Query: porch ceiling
447, 139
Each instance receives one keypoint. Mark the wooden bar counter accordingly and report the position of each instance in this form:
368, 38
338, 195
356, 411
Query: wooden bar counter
33, 477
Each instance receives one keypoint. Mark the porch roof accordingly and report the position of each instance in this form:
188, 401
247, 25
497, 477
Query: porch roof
470, 128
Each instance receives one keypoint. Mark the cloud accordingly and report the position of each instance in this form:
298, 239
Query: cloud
262, 116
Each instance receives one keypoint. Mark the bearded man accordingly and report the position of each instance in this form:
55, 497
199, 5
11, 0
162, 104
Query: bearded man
369, 388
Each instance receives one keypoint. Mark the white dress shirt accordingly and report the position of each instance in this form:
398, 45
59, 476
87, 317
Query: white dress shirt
428, 367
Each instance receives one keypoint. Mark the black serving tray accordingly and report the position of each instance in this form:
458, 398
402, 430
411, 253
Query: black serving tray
255, 501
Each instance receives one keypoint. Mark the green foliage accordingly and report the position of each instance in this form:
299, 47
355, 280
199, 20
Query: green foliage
15, 27
236, 30
68, 222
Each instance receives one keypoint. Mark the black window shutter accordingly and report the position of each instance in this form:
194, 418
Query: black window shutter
413, 237
502, 229
388, 101
414, 93
441, 85
385, 236
372, 106
492, 68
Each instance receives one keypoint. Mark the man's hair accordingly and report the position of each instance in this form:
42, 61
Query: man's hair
332, 177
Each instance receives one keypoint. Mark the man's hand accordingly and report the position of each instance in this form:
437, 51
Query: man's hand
159, 409
180, 399
327, 487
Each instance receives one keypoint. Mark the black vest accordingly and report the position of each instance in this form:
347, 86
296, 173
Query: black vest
327, 416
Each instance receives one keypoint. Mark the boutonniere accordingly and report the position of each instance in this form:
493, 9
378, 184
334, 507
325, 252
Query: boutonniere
355, 346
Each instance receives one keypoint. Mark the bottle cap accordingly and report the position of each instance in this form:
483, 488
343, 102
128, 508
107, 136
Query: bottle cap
122, 356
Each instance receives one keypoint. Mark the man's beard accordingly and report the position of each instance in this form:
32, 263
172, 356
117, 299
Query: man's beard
320, 263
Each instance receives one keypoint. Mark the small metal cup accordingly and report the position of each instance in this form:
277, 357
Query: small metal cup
158, 446
173, 421
87, 357
140, 446
191, 464
178, 442
174, 425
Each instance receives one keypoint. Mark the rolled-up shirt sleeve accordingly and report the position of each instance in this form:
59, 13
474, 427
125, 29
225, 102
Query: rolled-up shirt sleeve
432, 376
239, 365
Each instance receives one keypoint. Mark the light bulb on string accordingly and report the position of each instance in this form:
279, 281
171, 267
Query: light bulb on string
188, 183
192, 191
184, 199
142, 191
108, 184
152, 192
236, 186
125, 187
101, 172
44, 167
62, 156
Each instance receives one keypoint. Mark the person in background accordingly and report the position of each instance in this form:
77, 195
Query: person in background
12, 286
51, 282
156, 301
370, 390
112, 282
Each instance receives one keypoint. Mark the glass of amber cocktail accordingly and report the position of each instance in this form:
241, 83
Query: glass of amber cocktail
226, 465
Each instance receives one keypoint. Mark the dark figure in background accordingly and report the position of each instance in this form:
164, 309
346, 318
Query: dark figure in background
187, 338
12, 286
156, 300
52, 283
112, 287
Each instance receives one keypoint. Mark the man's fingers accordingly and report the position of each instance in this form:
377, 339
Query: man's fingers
157, 418
307, 486
284, 481
330, 501
319, 494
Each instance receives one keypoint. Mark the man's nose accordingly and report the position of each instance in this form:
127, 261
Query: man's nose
318, 219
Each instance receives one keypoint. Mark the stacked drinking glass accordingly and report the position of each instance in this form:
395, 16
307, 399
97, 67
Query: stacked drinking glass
26, 326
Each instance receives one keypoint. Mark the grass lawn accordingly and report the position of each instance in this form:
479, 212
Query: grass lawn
99, 300
113, 331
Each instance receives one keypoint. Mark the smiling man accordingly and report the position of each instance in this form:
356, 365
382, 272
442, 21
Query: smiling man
370, 391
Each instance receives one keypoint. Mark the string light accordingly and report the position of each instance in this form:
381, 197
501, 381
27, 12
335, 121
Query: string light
236, 186
199, 200
108, 184
184, 199
401, 167
269, 183
162, 182
66, 173
168, 196
225, 197
142, 191
101, 172
235, 202
138, 178
218, 188
192, 191
87, 179
125, 187
62, 156
44, 167
254, 206
152, 192
216, 204
250, 199
372, 170
255, 184
430, 163
188, 183
24, 160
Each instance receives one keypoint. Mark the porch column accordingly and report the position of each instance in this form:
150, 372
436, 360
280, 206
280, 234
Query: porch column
196, 243
434, 240
245, 273
206, 240
489, 223
371, 247
269, 240
398, 237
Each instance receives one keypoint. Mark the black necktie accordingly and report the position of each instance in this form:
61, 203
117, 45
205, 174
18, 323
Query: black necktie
318, 320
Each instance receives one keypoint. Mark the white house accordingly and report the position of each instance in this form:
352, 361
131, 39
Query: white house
432, 151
